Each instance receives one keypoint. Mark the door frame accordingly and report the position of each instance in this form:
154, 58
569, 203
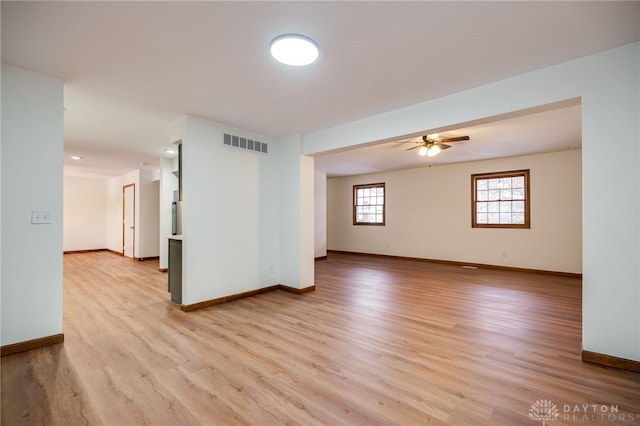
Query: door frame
133, 242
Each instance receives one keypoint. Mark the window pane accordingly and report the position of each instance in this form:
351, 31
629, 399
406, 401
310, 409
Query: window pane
483, 195
505, 206
493, 218
518, 194
494, 195
505, 217
517, 182
518, 218
517, 206
481, 207
482, 184
493, 183
482, 218
505, 194
505, 183
494, 207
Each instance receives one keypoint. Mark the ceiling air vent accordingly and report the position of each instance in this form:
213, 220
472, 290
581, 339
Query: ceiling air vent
244, 143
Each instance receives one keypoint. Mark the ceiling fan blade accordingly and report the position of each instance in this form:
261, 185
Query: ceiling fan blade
415, 147
456, 139
443, 146
410, 140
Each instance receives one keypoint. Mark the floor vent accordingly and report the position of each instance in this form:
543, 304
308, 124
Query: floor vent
244, 143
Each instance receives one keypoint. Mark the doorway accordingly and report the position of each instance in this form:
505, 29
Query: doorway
128, 219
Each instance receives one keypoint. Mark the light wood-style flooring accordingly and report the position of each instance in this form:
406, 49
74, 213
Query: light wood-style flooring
380, 342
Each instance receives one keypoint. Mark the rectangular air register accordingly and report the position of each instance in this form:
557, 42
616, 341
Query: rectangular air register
244, 143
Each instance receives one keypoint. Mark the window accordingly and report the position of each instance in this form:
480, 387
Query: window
368, 204
500, 200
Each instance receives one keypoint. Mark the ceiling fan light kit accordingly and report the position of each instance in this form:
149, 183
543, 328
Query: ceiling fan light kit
431, 145
433, 150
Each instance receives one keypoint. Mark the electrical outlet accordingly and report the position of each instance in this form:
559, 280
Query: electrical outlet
39, 217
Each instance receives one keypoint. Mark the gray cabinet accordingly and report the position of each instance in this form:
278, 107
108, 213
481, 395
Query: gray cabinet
175, 270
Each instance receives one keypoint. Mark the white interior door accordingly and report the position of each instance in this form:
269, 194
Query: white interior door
128, 219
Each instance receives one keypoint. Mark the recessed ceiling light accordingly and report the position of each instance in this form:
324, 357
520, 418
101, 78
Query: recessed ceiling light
169, 151
76, 157
294, 49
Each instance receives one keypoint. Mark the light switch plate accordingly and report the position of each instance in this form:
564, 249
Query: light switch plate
39, 217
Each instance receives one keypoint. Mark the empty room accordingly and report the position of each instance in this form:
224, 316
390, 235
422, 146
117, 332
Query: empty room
356, 213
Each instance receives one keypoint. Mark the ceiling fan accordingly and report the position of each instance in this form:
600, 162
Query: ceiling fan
431, 145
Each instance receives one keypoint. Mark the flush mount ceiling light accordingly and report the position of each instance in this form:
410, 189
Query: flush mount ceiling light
294, 49
76, 157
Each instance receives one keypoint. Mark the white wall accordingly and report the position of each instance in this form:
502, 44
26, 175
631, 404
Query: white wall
320, 214
85, 213
306, 230
230, 213
114, 209
147, 213
32, 157
247, 217
148, 223
296, 225
429, 215
168, 184
608, 86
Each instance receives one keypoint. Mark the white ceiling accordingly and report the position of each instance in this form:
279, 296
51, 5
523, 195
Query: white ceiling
548, 128
130, 68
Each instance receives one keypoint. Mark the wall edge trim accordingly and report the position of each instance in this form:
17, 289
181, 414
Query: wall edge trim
611, 361
28, 345
295, 290
230, 298
84, 251
458, 263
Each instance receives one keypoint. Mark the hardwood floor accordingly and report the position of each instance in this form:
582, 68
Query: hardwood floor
380, 341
